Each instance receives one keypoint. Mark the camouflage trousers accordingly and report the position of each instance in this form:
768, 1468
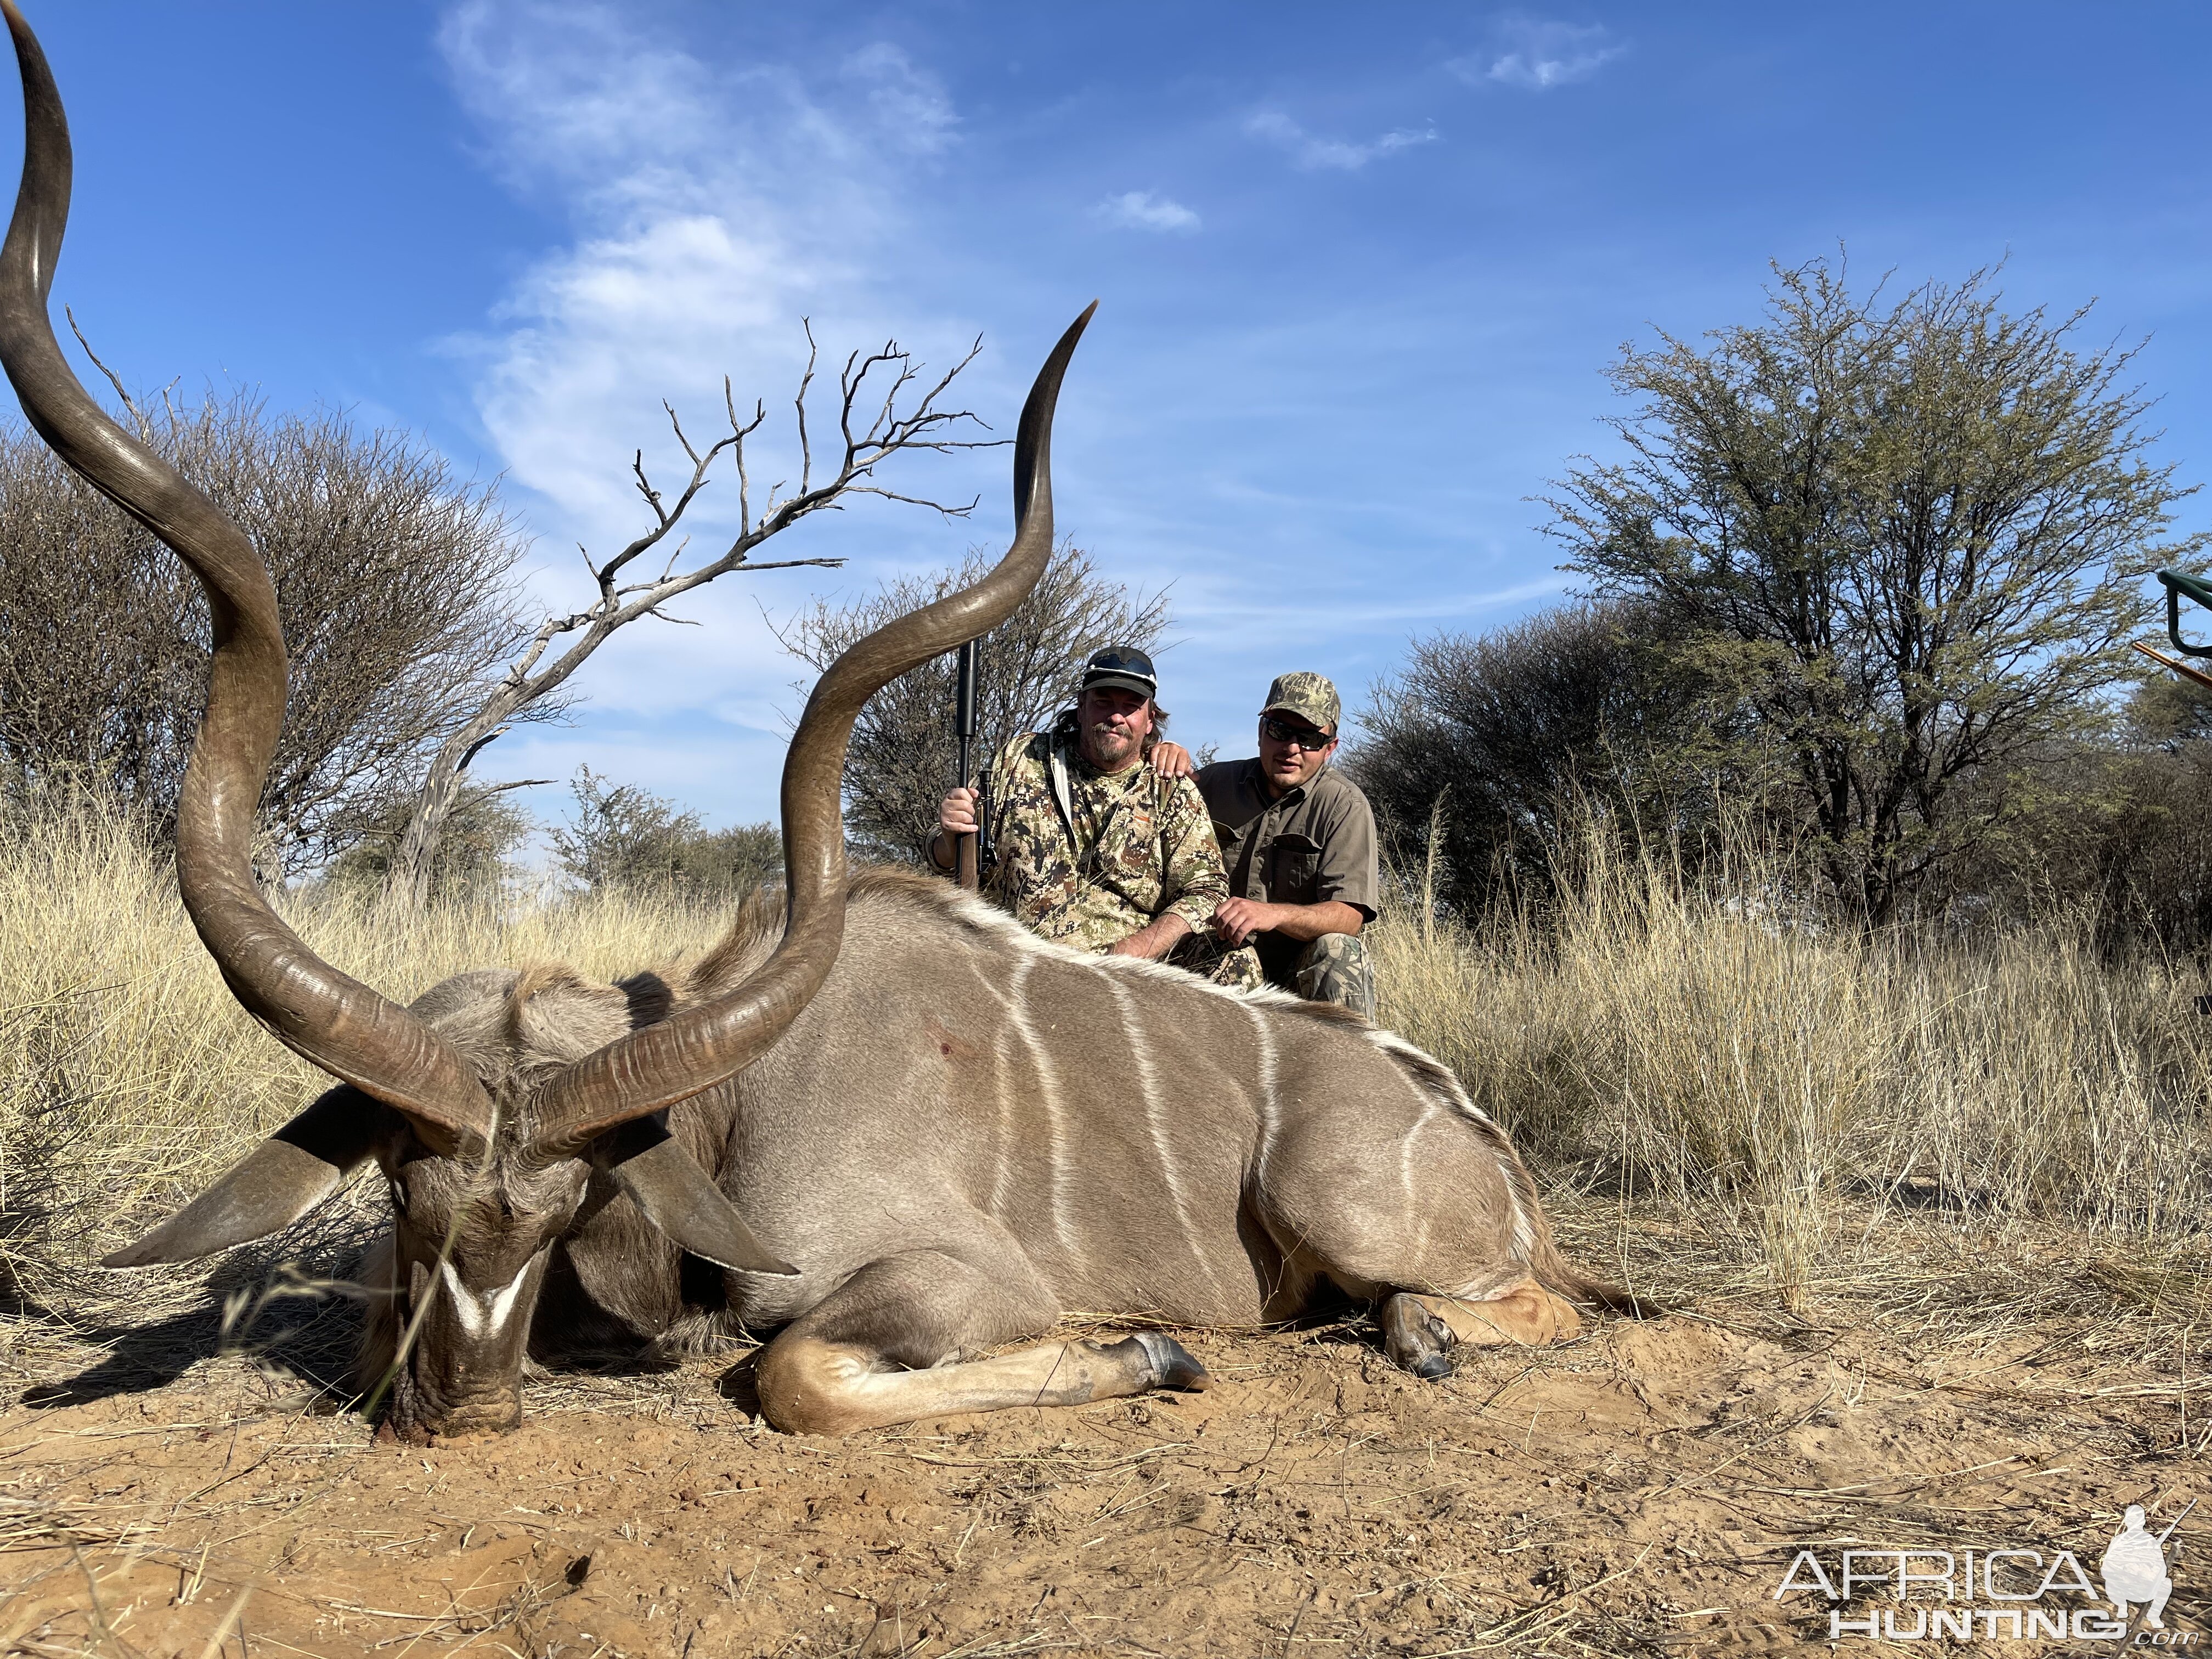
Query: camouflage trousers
1334, 967
1211, 958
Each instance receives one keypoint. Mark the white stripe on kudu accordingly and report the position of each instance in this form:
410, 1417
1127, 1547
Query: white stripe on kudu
1156, 1124
1269, 1107
1048, 1092
484, 1316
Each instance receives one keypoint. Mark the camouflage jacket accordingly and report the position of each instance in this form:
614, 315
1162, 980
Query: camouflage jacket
1087, 857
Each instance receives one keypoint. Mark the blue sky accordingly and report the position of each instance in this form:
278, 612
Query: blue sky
1361, 268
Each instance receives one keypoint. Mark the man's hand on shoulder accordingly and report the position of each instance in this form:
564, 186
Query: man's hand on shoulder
1170, 760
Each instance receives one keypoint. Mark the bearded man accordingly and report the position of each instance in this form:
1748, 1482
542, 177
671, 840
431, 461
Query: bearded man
1088, 845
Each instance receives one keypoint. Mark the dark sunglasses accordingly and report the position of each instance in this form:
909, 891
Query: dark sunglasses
1305, 736
1117, 660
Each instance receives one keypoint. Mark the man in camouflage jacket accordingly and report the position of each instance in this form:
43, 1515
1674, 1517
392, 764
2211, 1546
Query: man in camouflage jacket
1089, 846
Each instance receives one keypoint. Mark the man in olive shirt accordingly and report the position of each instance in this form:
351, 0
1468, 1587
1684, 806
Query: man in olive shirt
1298, 843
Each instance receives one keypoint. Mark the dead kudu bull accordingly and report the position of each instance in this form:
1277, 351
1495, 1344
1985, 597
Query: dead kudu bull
943, 1134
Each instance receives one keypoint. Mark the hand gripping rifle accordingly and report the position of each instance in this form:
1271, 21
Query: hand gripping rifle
963, 725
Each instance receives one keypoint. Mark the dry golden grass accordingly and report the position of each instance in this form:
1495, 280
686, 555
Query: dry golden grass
1990, 1154
1781, 1081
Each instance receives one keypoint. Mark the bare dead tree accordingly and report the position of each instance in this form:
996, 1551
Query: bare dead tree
873, 425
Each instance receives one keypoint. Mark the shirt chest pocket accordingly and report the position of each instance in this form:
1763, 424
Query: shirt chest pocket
1293, 869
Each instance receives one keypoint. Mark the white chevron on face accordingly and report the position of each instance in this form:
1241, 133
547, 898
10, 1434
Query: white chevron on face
486, 1315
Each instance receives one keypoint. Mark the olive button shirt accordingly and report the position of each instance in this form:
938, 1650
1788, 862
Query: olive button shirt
1316, 843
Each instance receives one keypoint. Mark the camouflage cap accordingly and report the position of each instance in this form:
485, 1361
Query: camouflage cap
1310, 696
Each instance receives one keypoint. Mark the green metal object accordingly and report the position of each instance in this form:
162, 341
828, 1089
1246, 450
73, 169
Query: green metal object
2197, 588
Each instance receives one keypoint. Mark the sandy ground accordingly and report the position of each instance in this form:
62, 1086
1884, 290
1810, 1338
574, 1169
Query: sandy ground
1642, 1489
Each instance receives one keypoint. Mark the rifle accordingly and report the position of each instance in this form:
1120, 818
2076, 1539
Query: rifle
2175, 1552
963, 726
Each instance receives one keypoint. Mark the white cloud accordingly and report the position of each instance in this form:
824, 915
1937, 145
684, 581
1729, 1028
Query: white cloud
1537, 55
1139, 209
1309, 150
910, 107
711, 208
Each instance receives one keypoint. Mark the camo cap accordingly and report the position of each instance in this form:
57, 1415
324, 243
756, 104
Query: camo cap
1310, 696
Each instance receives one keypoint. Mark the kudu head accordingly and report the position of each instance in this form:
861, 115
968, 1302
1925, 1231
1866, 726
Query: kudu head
490, 1100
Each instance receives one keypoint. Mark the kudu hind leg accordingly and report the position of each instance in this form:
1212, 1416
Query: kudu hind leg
884, 1349
1410, 1204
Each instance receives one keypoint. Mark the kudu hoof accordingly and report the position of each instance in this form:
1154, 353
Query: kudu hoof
1415, 1339
1167, 1363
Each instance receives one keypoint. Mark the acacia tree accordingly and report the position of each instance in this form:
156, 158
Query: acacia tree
904, 751
393, 576
1911, 538
879, 416
476, 856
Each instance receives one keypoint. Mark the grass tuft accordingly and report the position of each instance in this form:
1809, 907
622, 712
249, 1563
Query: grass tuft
1659, 1038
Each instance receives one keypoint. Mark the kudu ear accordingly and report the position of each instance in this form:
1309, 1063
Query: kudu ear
679, 1197
279, 1182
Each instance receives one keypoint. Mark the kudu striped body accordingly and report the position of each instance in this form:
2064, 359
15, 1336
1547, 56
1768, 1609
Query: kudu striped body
945, 1135
969, 1131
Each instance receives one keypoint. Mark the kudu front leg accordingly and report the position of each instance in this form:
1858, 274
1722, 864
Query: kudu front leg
885, 1349
1419, 1331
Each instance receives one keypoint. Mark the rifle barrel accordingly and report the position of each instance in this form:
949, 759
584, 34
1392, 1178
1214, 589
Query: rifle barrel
2177, 1521
964, 718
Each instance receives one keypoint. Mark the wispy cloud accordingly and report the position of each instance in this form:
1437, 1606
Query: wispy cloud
1223, 610
1141, 210
709, 208
910, 107
1537, 54
1310, 150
